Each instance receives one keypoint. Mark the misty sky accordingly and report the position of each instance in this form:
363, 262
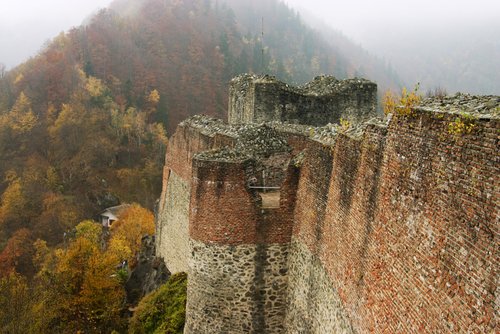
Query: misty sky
361, 19
26, 24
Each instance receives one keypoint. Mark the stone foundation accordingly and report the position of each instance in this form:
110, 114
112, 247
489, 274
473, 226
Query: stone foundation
236, 289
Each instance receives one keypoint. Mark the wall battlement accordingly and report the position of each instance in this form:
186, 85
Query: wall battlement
388, 226
257, 99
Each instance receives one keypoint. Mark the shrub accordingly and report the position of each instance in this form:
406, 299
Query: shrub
162, 311
402, 106
462, 124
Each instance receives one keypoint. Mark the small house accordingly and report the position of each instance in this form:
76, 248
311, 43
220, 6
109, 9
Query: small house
112, 214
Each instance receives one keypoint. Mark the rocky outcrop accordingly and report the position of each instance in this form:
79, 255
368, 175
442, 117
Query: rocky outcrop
149, 273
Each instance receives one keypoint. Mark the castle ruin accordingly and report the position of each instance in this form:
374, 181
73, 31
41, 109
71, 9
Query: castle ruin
288, 222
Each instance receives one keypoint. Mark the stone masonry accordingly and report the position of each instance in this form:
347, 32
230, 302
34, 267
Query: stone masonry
256, 99
381, 225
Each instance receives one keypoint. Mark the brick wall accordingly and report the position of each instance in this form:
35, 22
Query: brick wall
225, 211
437, 227
407, 225
173, 212
390, 230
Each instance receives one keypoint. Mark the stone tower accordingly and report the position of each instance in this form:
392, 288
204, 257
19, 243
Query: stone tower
257, 99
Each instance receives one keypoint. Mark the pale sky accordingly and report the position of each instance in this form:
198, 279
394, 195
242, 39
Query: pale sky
361, 19
26, 24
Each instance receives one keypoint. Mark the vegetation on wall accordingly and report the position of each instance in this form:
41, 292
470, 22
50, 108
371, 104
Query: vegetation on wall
462, 124
403, 104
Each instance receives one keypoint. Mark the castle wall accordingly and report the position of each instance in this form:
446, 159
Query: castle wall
405, 229
172, 241
273, 103
264, 99
241, 101
173, 232
313, 304
238, 265
393, 229
237, 289
436, 228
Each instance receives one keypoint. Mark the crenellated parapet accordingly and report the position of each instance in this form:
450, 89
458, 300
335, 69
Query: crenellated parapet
257, 99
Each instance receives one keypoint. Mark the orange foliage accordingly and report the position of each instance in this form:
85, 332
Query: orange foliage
134, 223
17, 254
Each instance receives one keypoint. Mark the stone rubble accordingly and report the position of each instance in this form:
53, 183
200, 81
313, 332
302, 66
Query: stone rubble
327, 85
487, 106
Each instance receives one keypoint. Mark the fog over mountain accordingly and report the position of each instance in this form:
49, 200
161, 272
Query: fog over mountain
448, 44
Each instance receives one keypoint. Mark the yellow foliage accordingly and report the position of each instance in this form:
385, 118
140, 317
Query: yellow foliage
60, 40
13, 201
119, 248
344, 124
15, 302
89, 229
41, 255
52, 178
389, 102
24, 122
21, 118
100, 292
19, 78
64, 117
154, 97
22, 104
403, 105
94, 86
463, 124
10, 175
133, 224
90, 292
51, 112
159, 134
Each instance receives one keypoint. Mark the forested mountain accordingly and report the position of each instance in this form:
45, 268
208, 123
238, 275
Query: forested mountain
82, 123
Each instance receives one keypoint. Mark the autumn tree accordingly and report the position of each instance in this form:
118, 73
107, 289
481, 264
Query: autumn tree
16, 257
16, 304
83, 280
127, 232
13, 202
